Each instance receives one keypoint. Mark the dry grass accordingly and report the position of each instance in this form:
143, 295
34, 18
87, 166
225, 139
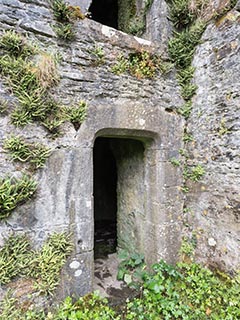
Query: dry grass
46, 70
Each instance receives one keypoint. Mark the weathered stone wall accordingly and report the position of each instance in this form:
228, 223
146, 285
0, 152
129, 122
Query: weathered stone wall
122, 106
214, 123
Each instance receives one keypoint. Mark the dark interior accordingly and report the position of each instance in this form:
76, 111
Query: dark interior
105, 198
105, 12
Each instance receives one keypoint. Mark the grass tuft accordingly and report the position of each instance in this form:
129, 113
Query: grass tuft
17, 259
13, 192
35, 154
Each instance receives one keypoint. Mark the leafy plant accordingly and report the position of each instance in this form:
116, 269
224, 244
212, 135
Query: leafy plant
29, 81
186, 291
175, 162
61, 10
15, 257
65, 31
182, 45
13, 192
65, 15
188, 245
187, 137
76, 114
15, 44
196, 173
141, 64
131, 268
223, 129
180, 14
3, 106
99, 55
89, 307
35, 154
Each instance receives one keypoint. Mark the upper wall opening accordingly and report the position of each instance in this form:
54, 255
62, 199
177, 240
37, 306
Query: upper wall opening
105, 12
126, 15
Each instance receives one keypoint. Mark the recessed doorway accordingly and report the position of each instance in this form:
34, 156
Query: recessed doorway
119, 206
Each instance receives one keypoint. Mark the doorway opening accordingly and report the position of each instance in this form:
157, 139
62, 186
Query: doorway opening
119, 195
105, 12
119, 208
105, 199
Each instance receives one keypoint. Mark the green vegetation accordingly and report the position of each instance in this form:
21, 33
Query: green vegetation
76, 114
187, 137
65, 31
181, 49
131, 268
36, 154
195, 173
18, 259
184, 292
13, 192
30, 82
188, 246
223, 129
3, 106
16, 45
141, 64
175, 162
186, 17
65, 16
98, 54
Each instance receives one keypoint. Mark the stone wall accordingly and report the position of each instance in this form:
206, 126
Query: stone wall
118, 106
142, 109
214, 123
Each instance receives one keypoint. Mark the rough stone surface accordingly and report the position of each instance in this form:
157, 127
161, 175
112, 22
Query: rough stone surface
118, 106
214, 123
140, 109
158, 25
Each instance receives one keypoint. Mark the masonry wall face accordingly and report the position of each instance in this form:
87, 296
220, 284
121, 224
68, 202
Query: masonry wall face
118, 106
215, 124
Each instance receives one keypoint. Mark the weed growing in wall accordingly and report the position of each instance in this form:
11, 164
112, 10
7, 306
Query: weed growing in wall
76, 114
18, 259
141, 64
13, 192
3, 106
98, 54
29, 81
16, 45
65, 16
30, 73
35, 154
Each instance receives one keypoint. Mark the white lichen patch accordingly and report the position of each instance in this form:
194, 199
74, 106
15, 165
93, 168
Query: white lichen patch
88, 204
74, 264
77, 273
142, 122
212, 242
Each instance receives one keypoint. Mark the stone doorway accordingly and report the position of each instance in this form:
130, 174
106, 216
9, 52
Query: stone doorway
119, 206
119, 194
105, 198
